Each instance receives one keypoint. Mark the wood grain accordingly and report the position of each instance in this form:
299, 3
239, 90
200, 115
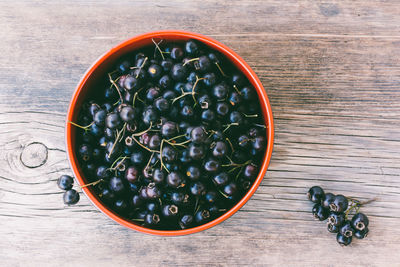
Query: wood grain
332, 73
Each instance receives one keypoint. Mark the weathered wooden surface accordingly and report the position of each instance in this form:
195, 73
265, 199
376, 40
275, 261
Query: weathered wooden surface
332, 73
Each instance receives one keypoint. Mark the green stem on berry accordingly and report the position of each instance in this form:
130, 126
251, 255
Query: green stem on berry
222, 72
117, 139
176, 137
230, 144
194, 87
148, 163
143, 146
229, 126
251, 115
190, 60
159, 49
141, 66
116, 86
161, 160
178, 144
143, 132
80, 126
237, 90
260, 125
182, 95
225, 196
93, 183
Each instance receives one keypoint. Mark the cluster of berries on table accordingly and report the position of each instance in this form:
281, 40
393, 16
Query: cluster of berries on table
173, 137
71, 196
336, 209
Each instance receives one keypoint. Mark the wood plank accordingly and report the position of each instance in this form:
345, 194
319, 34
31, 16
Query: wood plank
332, 73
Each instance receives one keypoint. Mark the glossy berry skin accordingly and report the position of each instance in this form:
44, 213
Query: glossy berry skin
250, 171
120, 204
327, 200
130, 83
175, 179
132, 174
176, 53
339, 204
346, 229
198, 189
169, 210
211, 197
71, 197
198, 135
343, 240
85, 152
319, 212
127, 114
196, 152
154, 71
191, 48
360, 234
316, 194
117, 185
186, 221
359, 221
152, 219
202, 216
169, 129
179, 72
336, 219
230, 189
159, 176
333, 228
152, 191
112, 120
99, 117
220, 149
211, 165
220, 91
221, 179
193, 173
65, 182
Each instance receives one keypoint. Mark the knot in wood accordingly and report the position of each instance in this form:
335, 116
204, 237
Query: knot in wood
34, 155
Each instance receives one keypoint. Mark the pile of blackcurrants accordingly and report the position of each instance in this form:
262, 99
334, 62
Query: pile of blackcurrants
337, 208
174, 136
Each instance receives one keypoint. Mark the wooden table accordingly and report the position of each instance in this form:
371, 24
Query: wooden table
332, 73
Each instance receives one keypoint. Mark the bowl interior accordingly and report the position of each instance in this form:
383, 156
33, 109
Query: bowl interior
95, 75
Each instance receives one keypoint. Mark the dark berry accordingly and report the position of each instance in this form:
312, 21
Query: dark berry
169, 129
132, 174
65, 182
167, 64
168, 154
117, 185
209, 79
137, 158
316, 194
131, 83
154, 71
336, 219
327, 200
179, 72
193, 173
359, 221
85, 152
346, 229
191, 48
136, 202
339, 204
150, 116
220, 91
230, 189
220, 149
333, 228
71, 197
176, 53
151, 219
221, 179
120, 205
197, 189
161, 104
343, 240
175, 180
127, 114
152, 191
250, 171
100, 117
198, 135
202, 216
208, 116
211, 197
186, 221
360, 234
319, 212
196, 152
203, 64
211, 165
159, 176
169, 210
112, 120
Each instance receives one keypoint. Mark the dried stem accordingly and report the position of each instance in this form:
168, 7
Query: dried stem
80, 126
